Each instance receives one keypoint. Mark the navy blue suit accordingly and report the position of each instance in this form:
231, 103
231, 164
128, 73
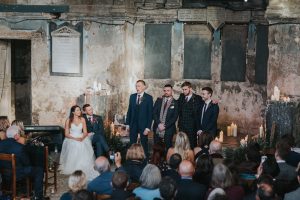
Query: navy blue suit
23, 165
101, 184
98, 140
139, 117
170, 122
210, 117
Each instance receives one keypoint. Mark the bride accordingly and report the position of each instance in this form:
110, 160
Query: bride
77, 152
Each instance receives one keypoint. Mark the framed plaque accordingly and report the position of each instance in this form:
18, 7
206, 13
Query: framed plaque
66, 50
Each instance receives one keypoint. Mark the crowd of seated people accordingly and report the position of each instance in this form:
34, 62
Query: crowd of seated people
179, 173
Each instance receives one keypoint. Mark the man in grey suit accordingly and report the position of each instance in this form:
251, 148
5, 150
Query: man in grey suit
287, 172
294, 195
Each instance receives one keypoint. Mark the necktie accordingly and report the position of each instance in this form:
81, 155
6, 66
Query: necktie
203, 111
139, 99
186, 99
165, 106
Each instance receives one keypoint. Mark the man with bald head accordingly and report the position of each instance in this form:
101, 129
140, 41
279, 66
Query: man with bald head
187, 188
215, 151
102, 183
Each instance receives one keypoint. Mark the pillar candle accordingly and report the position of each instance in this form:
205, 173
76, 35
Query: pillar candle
221, 136
228, 130
112, 128
261, 131
234, 130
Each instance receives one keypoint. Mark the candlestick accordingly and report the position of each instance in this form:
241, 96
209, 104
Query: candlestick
221, 137
261, 131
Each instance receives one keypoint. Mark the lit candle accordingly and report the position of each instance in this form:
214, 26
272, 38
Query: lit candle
221, 136
234, 130
112, 128
261, 131
228, 130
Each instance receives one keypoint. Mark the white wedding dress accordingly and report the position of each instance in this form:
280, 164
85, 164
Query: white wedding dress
76, 155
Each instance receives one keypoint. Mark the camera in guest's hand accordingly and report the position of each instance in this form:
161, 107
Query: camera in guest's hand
112, 155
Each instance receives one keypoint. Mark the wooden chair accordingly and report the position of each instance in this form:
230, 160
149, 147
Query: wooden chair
46, 172
11, 158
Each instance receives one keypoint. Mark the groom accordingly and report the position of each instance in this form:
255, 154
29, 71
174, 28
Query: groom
94, 125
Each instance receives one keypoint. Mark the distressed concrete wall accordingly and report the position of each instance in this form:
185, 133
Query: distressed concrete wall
114, 56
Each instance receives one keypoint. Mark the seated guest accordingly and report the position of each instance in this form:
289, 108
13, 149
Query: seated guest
4, 124
167, 189
268, 167
215, 193
83, 195
287, 172
293, 157
204, 140
253, 158
149, 180
182, 147
222, 178
23, 165
76, 182
158, 157
203, 171
119, 183
102, 183
215, 151
172, 170
265, 189
20, 124
187, 188
296, 193
135, 162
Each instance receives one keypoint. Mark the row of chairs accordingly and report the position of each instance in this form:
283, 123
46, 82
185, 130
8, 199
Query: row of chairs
11, 188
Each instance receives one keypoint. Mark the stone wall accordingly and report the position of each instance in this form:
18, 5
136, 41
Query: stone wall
114, 56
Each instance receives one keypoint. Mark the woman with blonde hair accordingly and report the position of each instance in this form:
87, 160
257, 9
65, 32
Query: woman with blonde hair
20, 125
77, 181
182, 147
4, 125
135, 162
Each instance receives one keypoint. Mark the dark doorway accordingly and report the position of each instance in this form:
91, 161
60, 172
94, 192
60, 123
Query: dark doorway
21, 79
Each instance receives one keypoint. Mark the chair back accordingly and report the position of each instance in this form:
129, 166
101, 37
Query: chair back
10, 158
101, 196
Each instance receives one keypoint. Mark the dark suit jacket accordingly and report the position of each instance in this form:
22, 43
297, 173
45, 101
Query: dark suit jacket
293, 158
292, 195
287, 172
188, 113
11, 146
171, 118
96, 126
190, 190
210, 117
101, 184
144, 115
134, 169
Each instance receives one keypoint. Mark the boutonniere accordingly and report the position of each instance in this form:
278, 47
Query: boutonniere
171, 107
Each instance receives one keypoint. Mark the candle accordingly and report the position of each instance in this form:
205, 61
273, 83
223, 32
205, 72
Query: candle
85, 98
261, 131
112, 128
99, 86
288, 99
273, 97
221, 136
228, 130
95, 86
276, 93
234, 130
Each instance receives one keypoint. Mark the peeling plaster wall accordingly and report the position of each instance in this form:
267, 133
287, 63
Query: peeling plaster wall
284, 63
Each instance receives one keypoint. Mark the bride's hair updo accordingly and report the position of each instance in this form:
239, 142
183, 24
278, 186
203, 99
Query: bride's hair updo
71, 116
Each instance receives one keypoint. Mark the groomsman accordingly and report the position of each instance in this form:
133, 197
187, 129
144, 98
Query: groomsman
139, 115
94, 125
189, 105
165, 114
209, 113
